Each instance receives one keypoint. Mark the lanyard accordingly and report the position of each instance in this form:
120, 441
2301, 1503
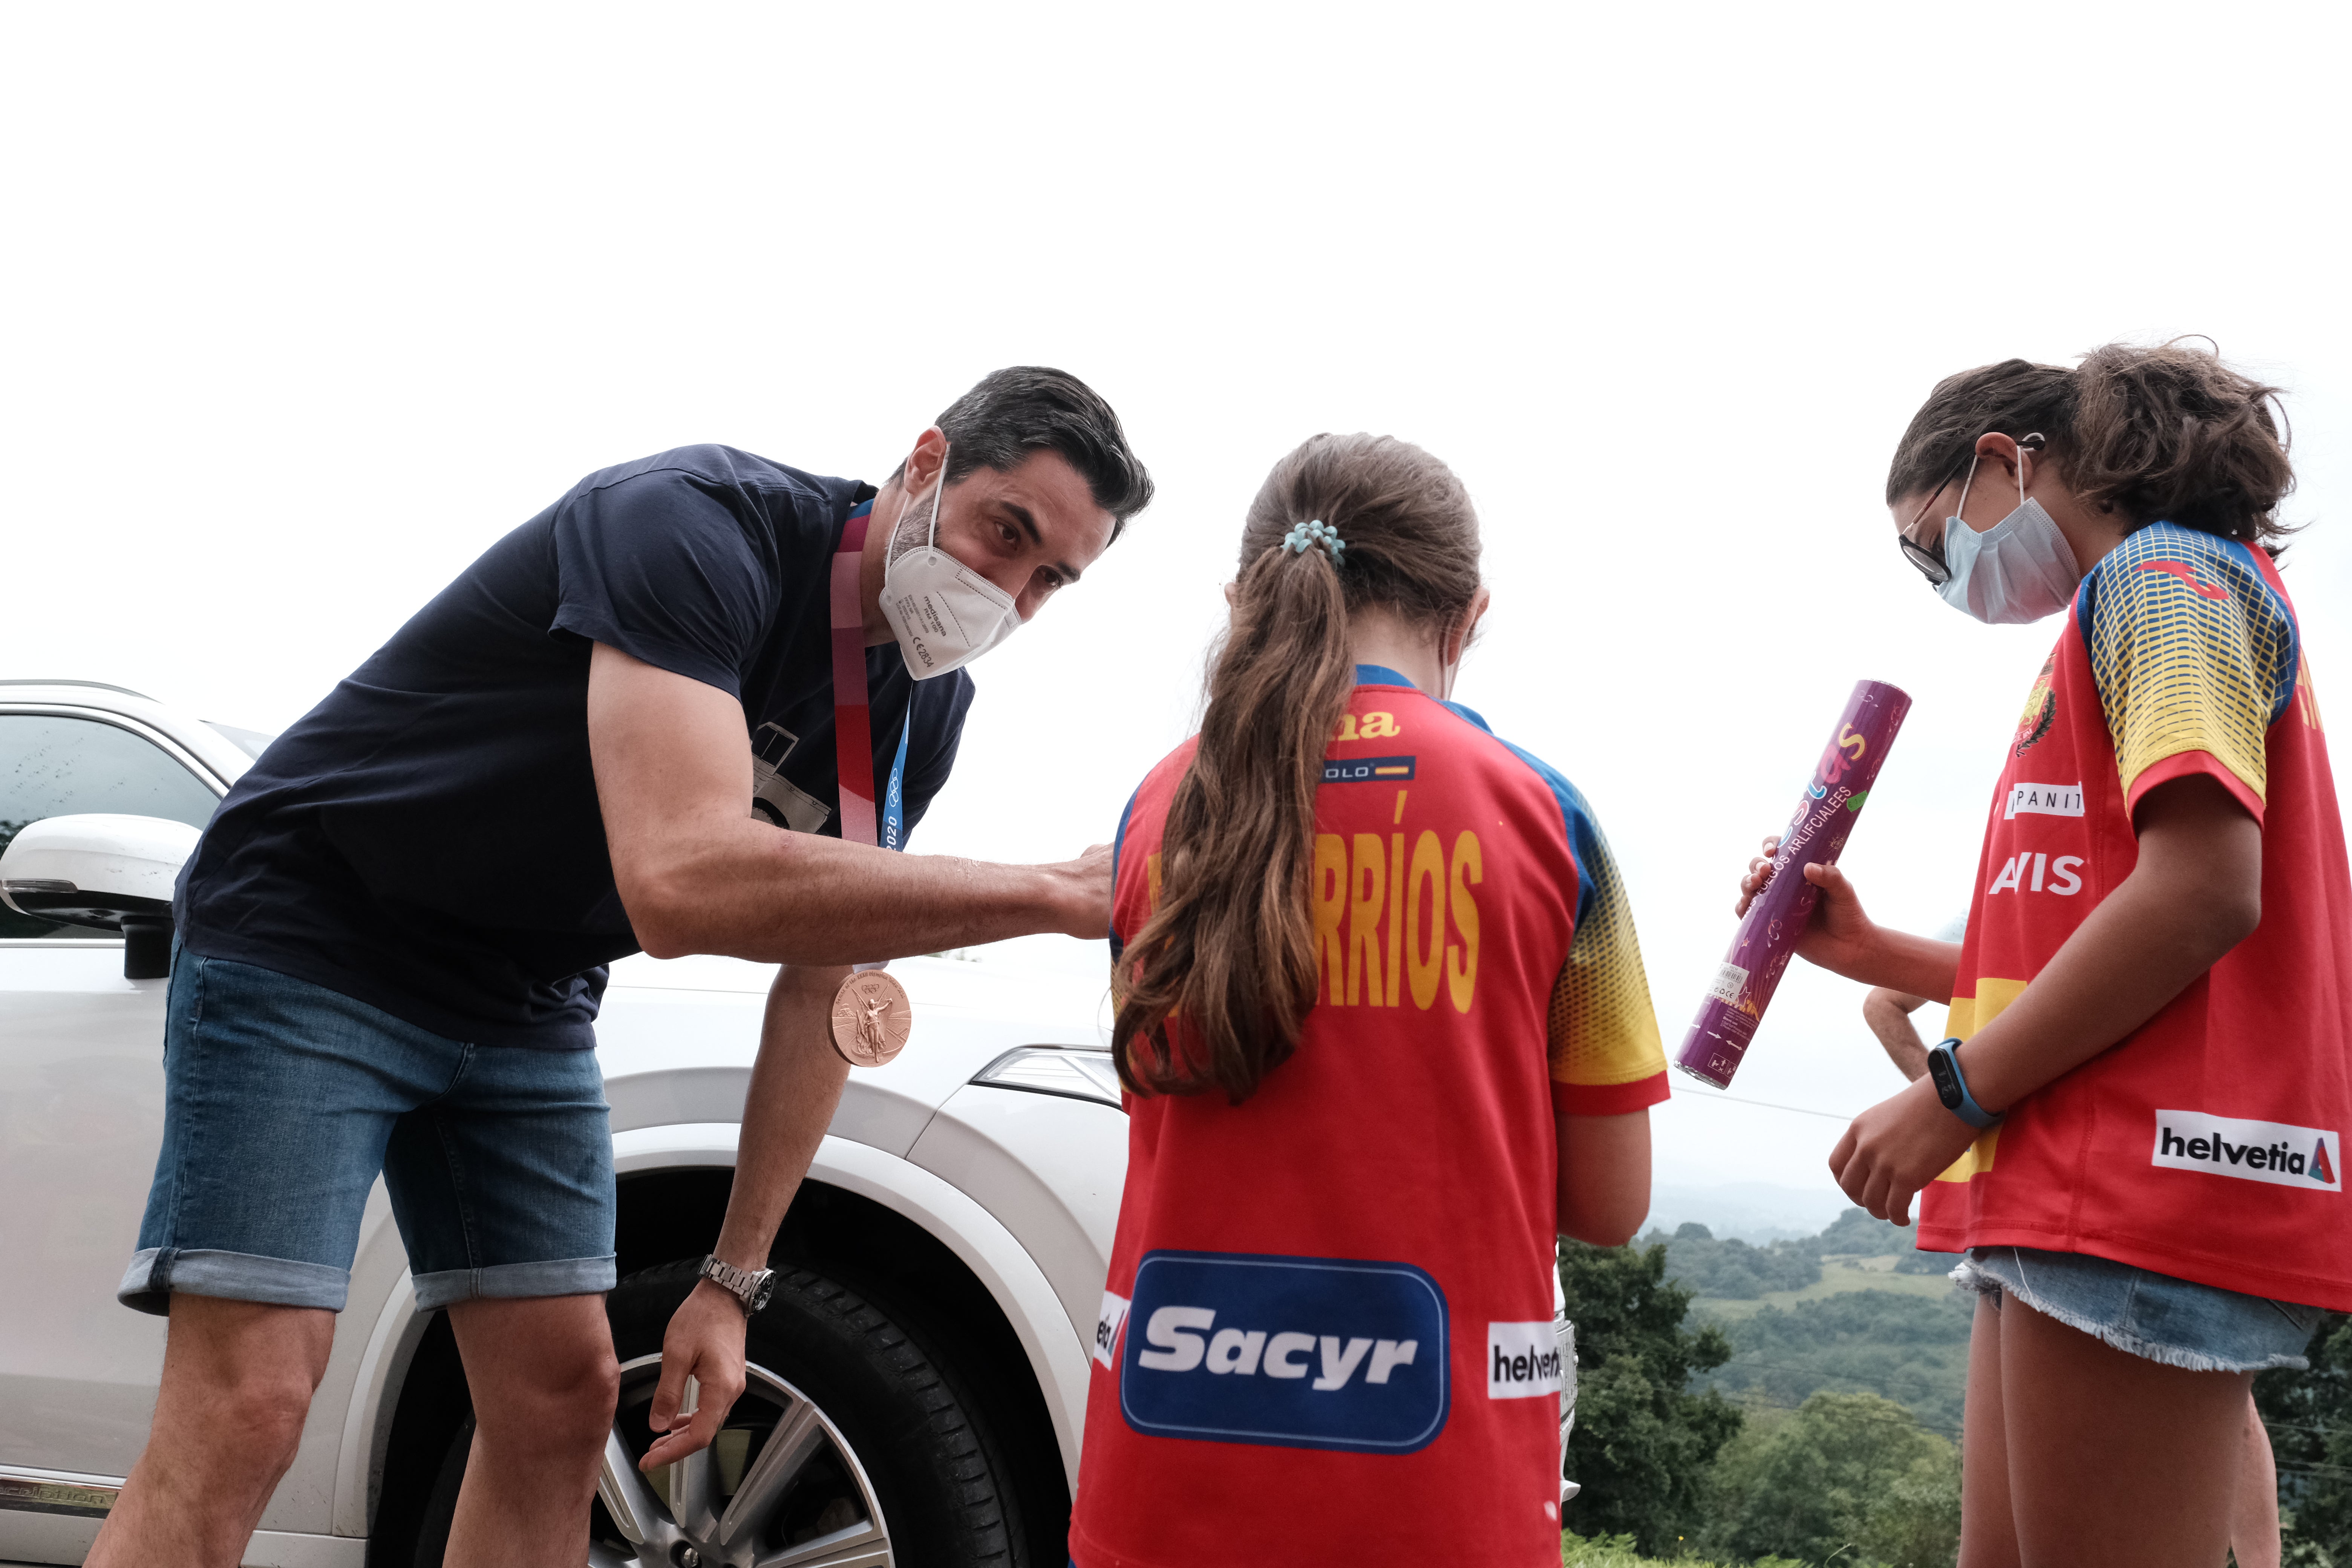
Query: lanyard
852, 718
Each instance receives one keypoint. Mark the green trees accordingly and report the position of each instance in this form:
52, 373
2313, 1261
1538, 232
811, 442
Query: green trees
1643, 1444
1856, 1233
1910, 1348
1847, 1478
1733, 1269
2309, 1415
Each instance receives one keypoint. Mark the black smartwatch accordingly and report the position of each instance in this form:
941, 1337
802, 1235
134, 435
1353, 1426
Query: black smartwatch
751, 1287
1952, 1088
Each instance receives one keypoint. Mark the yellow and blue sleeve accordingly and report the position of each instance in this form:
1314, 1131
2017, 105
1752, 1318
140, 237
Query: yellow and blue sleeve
1603, 1037
2194, 655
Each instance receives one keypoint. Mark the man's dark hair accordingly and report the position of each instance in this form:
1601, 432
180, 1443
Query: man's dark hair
1026, 408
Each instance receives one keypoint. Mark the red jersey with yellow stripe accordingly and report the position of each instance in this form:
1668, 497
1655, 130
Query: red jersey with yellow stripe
1327, 1335
2207, 1144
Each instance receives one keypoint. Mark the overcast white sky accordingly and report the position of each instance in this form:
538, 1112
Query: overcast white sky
306, 306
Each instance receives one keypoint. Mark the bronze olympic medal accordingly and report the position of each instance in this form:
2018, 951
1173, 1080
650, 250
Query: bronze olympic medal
871, 1018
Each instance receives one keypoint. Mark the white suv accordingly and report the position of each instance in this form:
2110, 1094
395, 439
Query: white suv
918, 1379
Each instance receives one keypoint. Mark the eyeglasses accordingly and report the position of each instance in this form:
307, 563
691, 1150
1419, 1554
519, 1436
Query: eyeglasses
1929, 559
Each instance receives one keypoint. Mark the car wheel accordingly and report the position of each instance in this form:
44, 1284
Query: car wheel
848, 1448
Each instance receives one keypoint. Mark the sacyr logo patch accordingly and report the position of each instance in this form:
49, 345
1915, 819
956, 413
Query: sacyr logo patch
1522, 1360
1295, 1353
2310, 1158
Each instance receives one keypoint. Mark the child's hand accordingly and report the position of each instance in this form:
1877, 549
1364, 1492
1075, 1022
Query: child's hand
1840, 936
1897, 1147
1759, 873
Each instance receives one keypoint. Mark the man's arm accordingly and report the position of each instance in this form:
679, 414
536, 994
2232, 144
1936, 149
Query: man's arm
1888, 1014
795, 1085
699, 873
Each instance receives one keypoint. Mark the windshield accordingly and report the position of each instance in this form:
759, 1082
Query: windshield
250, 741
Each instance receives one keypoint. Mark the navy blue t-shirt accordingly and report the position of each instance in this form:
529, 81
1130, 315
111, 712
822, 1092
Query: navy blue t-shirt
427, 839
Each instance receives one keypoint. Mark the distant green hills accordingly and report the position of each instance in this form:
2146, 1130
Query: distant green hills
1857, 1309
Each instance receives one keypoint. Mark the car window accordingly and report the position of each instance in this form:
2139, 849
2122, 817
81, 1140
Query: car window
54, 766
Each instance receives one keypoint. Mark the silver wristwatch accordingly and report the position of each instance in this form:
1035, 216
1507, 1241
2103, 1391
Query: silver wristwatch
751, 1287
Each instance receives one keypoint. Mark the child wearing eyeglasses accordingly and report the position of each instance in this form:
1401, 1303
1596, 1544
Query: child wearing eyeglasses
2133, 1129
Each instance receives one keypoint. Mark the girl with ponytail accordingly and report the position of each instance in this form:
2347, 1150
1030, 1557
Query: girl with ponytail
1385, 1031
2135, 1128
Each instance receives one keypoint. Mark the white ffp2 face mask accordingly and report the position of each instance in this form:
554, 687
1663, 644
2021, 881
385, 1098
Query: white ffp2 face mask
2019, 570
944, 613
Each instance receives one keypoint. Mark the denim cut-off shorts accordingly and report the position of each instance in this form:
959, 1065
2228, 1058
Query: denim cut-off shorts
283, 1100
2200, 1327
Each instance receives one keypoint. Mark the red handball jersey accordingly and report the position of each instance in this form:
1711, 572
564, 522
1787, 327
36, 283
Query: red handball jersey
2207, 1144
1327, 1332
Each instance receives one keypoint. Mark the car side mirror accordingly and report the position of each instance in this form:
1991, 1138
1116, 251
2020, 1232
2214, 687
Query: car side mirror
98, 869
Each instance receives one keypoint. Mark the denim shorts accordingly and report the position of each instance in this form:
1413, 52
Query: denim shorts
284, 1099
2200, 1327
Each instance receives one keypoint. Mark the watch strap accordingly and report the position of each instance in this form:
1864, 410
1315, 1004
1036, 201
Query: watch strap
750, 1287
1952, 1087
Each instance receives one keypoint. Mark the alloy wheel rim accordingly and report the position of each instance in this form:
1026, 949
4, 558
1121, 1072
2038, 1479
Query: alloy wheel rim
779, 1488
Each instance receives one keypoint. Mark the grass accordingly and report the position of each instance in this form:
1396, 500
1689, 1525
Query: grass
1608, 1552
1840, 1276
1617, 1552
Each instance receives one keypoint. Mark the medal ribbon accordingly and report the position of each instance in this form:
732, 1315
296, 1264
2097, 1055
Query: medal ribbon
867, 1044
853, 717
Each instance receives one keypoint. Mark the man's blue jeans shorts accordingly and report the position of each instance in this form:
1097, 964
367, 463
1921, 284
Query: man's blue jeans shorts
283, 1100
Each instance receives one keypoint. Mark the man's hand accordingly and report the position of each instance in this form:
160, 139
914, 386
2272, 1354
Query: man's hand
698, 872
795, 1083
1088, 900
705, 1342
1897, 1147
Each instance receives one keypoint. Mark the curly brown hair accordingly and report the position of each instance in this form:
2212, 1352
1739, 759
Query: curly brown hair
2164, 433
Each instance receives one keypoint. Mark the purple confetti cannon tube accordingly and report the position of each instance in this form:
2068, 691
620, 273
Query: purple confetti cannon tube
1767, 940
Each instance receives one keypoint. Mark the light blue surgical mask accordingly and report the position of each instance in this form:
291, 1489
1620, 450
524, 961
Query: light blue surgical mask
2019, 570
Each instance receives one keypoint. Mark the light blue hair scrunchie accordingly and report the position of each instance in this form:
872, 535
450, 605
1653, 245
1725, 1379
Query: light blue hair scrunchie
1307, 535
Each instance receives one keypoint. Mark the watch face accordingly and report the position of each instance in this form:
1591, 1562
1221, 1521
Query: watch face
1947, 1082
761, 1292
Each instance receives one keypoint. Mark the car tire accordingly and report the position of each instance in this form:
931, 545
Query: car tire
900, 1453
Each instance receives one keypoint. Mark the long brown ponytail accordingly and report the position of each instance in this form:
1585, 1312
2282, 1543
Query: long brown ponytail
2167, 433
1231, 948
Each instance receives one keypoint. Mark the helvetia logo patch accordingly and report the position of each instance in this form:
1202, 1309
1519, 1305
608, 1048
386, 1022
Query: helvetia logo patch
2275, 1151
1296, 1352
1522, 1360
1106, 1323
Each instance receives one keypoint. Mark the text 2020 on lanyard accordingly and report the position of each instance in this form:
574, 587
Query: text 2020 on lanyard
871, 1015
